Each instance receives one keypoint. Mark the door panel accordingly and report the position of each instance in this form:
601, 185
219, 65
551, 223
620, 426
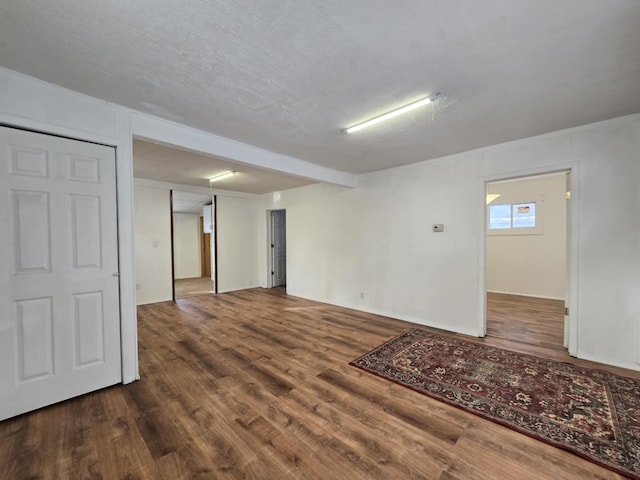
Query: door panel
87, 240
32, 246
89, 328
279, 242
59, 299
35, 339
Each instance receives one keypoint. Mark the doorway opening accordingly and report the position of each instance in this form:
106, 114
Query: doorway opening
527, 257
277, 223
192, 246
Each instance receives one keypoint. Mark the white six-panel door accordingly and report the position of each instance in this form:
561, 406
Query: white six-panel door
59, 303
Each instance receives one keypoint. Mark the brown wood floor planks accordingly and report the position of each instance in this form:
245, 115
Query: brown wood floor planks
256, 384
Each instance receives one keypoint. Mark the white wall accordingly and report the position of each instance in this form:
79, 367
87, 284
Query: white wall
186, 245
237, 237
372, 247
533, 265
152, 245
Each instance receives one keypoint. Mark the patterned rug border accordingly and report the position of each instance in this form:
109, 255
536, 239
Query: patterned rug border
548, 441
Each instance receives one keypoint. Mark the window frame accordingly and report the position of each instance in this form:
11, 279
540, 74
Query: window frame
535, 230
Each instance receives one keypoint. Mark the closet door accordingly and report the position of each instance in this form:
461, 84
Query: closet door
59, 300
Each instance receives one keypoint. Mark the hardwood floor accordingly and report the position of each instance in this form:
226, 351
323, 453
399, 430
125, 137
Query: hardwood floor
537, 321
256, 384
188, 287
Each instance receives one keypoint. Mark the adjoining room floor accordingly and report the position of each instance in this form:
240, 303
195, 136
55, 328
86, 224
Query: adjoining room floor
188, 287
532, 320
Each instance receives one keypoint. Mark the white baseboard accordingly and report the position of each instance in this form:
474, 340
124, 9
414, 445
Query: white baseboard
396, 316
526, 295
605, 361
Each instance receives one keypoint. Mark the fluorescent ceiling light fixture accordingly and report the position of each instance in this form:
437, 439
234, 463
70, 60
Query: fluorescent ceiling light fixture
491, 197
392, 114
222, 176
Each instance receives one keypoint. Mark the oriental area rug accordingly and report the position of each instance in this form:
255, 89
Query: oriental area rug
592, 413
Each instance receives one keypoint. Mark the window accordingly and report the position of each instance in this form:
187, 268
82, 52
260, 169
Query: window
514, 219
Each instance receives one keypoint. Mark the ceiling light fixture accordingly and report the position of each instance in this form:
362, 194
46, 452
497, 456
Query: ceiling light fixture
392, 114
222, 176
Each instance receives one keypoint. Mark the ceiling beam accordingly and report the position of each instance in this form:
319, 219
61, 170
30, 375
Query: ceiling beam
154, 129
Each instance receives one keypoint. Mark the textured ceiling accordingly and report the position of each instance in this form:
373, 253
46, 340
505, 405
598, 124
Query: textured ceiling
288, 75
158, 162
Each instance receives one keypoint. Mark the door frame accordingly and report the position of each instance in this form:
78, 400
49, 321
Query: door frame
213, 263
573, 223
269, 248
124, 212
172, 243
214, 239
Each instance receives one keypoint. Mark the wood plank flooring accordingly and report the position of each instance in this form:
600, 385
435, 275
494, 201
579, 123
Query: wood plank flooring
188, 287
537, 321
256, 384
